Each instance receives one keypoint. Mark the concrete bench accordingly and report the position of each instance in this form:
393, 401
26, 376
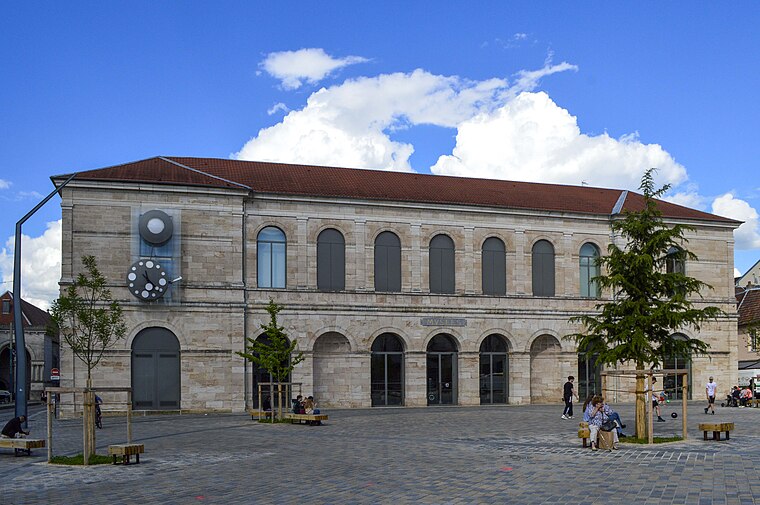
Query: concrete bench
309, 418
125, 451
22, 445
717, 429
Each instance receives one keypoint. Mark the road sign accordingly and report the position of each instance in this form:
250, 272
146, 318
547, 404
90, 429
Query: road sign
55, 374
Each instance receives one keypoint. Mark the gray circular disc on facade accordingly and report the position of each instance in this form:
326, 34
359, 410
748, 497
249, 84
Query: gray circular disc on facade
156, 227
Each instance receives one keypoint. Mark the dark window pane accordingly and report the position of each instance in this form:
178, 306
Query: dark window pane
387, 342
543, 269
494, 343
589, 268
442, 343
494, 267
387, 262
271, 258
331, 261
441, 265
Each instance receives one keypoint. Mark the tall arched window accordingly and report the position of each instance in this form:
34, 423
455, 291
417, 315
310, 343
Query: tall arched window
270, 245
589, 269
494, 370
387, 262
441, 264
387, 370
674, 262
331, 261
494, 270
543, 268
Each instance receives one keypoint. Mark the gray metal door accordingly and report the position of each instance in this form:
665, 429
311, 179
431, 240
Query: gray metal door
155, 370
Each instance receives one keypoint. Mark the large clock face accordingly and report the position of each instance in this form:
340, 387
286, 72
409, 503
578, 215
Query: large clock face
147, 280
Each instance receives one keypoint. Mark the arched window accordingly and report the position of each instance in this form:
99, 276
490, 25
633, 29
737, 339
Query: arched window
331, 261
387, 370
270, 245
441, 264
543, 268
589, 269
494, 270
494, 370
261, 376
387, 262
674, 262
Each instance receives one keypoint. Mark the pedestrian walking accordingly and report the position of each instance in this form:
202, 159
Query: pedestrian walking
710, 390
568, 391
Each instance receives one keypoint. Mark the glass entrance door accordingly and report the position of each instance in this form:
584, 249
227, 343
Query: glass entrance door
441, 374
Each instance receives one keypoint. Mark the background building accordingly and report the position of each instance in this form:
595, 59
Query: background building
401, 288
42, 351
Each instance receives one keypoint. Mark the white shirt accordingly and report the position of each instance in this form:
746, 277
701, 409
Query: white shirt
711, 387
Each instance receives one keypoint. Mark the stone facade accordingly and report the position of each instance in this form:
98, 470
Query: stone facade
218, 303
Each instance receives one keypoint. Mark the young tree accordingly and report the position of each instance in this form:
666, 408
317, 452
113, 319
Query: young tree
87, 317
650, 301
275, 353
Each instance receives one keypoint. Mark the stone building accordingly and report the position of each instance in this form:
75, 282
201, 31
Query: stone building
41, 349
400, 288
748, 308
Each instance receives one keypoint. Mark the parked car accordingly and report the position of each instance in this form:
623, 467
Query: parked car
5, 396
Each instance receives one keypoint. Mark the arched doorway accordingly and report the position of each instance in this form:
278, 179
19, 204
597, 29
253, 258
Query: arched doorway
260, 375
333, 376
442, 370
545, 374
387, 371
494, 370
155, 370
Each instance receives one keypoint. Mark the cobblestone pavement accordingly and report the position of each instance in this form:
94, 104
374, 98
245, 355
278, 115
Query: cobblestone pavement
508, 454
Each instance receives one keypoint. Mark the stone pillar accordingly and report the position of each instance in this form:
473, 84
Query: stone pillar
469, 378
415, 373
469, 261
361, 255
519, 378
416, 258
302, 265
520, 266
568, 272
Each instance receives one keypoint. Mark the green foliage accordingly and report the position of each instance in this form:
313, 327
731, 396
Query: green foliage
274, 354
87, 317
95, 459
649, 303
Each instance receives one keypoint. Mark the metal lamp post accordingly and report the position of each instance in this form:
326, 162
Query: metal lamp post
20, 392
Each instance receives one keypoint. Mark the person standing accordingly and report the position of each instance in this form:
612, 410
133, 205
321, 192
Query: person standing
567, 395
710, 390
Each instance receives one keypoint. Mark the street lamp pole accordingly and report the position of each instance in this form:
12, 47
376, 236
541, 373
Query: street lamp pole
20, 393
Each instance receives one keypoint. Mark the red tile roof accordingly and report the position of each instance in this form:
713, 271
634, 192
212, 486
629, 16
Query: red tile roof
33, 315
748, 303
333, 182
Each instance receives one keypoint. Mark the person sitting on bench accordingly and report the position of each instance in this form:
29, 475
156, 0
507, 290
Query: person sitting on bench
13, 428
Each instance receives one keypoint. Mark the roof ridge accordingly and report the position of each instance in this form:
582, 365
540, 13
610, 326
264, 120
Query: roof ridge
169, 160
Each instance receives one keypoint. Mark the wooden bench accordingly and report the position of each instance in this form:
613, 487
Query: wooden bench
584, 432
306, 417
754, 402
716, 429
125, 451
258, 414
22, 445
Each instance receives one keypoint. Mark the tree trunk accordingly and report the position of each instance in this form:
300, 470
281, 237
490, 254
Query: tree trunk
641, 407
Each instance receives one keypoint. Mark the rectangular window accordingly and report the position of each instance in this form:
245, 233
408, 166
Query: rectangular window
6, 306
753, 339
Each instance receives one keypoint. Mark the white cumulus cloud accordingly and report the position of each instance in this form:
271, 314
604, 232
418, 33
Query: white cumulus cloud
4, 184
40, 265
532, 139
351, 124
293, 68
747, 236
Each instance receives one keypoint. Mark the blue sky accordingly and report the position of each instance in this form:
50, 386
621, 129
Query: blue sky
557, 92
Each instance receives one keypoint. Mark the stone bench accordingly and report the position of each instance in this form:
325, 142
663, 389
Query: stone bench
22, 445
309, 418
717, 429
125, 451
